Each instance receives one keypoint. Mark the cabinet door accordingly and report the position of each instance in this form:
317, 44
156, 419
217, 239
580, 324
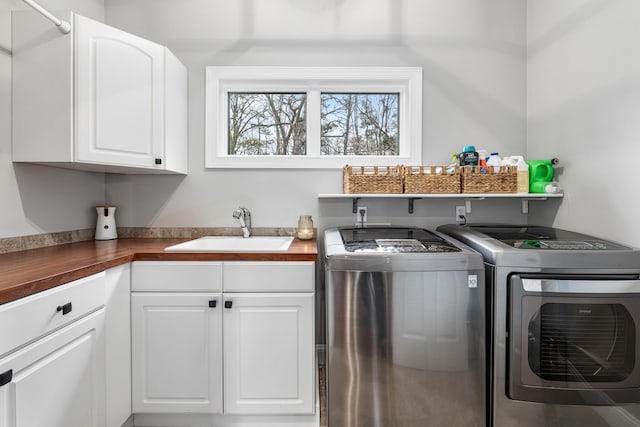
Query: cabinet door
58, 381
268, 354
119, 96
176, 348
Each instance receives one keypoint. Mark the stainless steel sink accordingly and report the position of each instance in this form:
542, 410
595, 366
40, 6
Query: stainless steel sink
234, 244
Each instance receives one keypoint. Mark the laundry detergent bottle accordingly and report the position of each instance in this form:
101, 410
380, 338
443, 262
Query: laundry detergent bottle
522, 169
540, 174
469, 156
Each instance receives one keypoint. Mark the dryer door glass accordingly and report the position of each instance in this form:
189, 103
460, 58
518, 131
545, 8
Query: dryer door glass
573, 340
592, 343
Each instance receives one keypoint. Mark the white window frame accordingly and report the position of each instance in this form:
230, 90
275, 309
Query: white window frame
219, 81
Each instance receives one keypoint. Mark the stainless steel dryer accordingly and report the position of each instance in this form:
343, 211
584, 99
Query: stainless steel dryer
566, 326
405, 329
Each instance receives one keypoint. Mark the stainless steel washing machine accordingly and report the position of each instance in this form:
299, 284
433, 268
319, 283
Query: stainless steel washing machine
405, 329
565, 336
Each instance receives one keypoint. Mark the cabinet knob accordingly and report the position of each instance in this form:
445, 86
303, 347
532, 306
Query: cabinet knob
212, 303
228, 304
158, 161
6, 377
65, 309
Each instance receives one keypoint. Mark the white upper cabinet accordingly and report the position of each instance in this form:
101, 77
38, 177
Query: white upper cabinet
96, 99
118, 79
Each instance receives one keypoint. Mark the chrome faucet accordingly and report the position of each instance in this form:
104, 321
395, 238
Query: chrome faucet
244, 216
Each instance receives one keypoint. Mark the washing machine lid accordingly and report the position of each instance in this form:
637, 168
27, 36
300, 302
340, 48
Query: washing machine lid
542, 247
545, 238
393, 239
394, 249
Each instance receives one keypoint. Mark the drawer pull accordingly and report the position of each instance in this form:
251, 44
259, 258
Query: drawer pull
212, 303
65, 309
228, 304
6, 377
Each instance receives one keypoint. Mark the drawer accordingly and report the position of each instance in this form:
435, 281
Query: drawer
176, 276
267, 276
28, 318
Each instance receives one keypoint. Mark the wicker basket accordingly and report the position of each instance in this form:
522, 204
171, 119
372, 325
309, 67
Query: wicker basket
490, 181
372, 179
432, 179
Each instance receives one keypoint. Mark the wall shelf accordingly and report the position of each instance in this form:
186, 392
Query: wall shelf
468, 198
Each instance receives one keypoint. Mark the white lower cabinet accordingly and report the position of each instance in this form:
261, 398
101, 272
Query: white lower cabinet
57, 381
65, 354
209, 351
268, 354
177, 352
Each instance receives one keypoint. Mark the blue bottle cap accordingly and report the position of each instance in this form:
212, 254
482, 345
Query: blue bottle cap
468, 148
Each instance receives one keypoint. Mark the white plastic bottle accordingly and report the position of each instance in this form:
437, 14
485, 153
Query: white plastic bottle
522, 179
495, 161
482, 154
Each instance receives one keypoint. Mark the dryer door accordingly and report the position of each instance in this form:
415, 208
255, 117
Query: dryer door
574, 340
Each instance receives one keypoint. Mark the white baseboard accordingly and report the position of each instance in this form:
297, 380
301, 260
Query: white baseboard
206, 420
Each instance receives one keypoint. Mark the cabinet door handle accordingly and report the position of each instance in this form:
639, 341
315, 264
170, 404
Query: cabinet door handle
65, 309
6, 377
158, 161
212, 303
228, 304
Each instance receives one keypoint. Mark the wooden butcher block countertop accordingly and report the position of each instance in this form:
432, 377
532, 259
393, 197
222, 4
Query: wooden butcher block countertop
26, 272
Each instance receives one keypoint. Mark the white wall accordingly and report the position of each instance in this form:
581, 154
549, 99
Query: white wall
472, 53
38, 199
584, 107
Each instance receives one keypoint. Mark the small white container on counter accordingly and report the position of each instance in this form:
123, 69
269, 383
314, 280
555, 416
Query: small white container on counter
106, 225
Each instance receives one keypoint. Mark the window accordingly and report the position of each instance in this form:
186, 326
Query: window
359, 124
301, 117
266, 124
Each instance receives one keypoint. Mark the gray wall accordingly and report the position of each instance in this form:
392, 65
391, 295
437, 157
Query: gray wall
583, 105
39, 199
472, 53
569, 87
